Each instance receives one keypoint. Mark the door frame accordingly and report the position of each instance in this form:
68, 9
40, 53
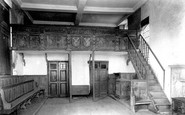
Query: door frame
68, 78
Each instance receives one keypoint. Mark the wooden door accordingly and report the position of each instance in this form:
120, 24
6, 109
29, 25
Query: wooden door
58, 79
100, 80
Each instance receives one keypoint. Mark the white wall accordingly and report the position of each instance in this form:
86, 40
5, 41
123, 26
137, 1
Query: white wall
117, 61
167, 32
18, 62
80, 68
36, 63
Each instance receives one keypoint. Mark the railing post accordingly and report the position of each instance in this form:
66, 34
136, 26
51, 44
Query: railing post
164, 80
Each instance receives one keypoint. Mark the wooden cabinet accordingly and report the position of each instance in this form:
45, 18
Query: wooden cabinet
123, 89
178, 106
119, 84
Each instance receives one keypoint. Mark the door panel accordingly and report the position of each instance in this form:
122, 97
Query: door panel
63, 89
53, 89
58, 79
62, 75
100, 79
53, 76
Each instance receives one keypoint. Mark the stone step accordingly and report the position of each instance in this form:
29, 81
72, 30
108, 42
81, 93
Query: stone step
165, 107
161, 102
165, 111
155, 88
156, 95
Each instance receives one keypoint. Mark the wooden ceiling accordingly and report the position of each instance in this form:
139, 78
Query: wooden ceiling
108, 13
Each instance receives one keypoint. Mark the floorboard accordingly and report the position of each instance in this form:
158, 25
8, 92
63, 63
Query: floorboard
79, 106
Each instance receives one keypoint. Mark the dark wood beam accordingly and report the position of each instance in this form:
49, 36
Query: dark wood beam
80, 6
70, 77
122, 19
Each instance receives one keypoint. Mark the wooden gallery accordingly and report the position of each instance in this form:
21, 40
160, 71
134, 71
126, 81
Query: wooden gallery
89, 57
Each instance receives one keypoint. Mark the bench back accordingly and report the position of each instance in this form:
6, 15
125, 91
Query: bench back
15, 87
15, 91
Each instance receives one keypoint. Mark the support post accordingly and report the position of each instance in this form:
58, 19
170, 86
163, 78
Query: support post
93, 75
70, 77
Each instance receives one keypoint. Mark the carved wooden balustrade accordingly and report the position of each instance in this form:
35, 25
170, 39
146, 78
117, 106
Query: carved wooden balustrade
69, 38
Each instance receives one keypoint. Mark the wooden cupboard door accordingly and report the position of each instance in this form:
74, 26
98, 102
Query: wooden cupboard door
53, 78
63, 79
58, 79
100, 80
96, 81
103, 79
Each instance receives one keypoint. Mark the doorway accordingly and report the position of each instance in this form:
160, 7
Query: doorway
58, 85
99, 87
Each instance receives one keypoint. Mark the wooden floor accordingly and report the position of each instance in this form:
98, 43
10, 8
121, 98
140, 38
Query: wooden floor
80, 106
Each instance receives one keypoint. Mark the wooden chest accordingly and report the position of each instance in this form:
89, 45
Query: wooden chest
178, 105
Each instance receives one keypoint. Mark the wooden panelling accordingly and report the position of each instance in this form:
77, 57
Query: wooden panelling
112, 84
80, 89
4, 40
140, 90
69, 38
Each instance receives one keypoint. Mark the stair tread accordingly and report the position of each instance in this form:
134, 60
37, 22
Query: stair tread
162, 104
162, 101
164, 110
146, 101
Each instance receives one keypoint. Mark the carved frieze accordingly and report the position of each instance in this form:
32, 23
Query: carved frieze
69, 38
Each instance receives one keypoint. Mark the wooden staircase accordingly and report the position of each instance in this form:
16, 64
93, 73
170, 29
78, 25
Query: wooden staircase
139, 57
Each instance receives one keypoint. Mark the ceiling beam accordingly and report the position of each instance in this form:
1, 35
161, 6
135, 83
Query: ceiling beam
80, 5
48, 7
137, 6
97, 24
52, 22
108, 10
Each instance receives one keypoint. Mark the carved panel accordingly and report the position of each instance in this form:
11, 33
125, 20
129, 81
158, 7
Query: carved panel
62, 42
87, 43
51, 40
75, 42
34, 42
56, 41
21, 41
105, 43
177, 80
123, 43
140, 90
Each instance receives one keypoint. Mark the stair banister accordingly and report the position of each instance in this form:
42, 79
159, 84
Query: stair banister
146, 55
135, 49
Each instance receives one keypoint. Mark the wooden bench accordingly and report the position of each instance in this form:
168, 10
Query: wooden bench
17, 93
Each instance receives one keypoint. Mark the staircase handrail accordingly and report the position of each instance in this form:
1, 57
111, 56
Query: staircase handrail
135, 49
155, 58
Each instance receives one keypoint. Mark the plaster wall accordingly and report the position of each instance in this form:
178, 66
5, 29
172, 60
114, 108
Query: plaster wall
35, 64
18, 64
167, 31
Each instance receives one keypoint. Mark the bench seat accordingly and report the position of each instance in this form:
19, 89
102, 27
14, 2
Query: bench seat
10, 107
